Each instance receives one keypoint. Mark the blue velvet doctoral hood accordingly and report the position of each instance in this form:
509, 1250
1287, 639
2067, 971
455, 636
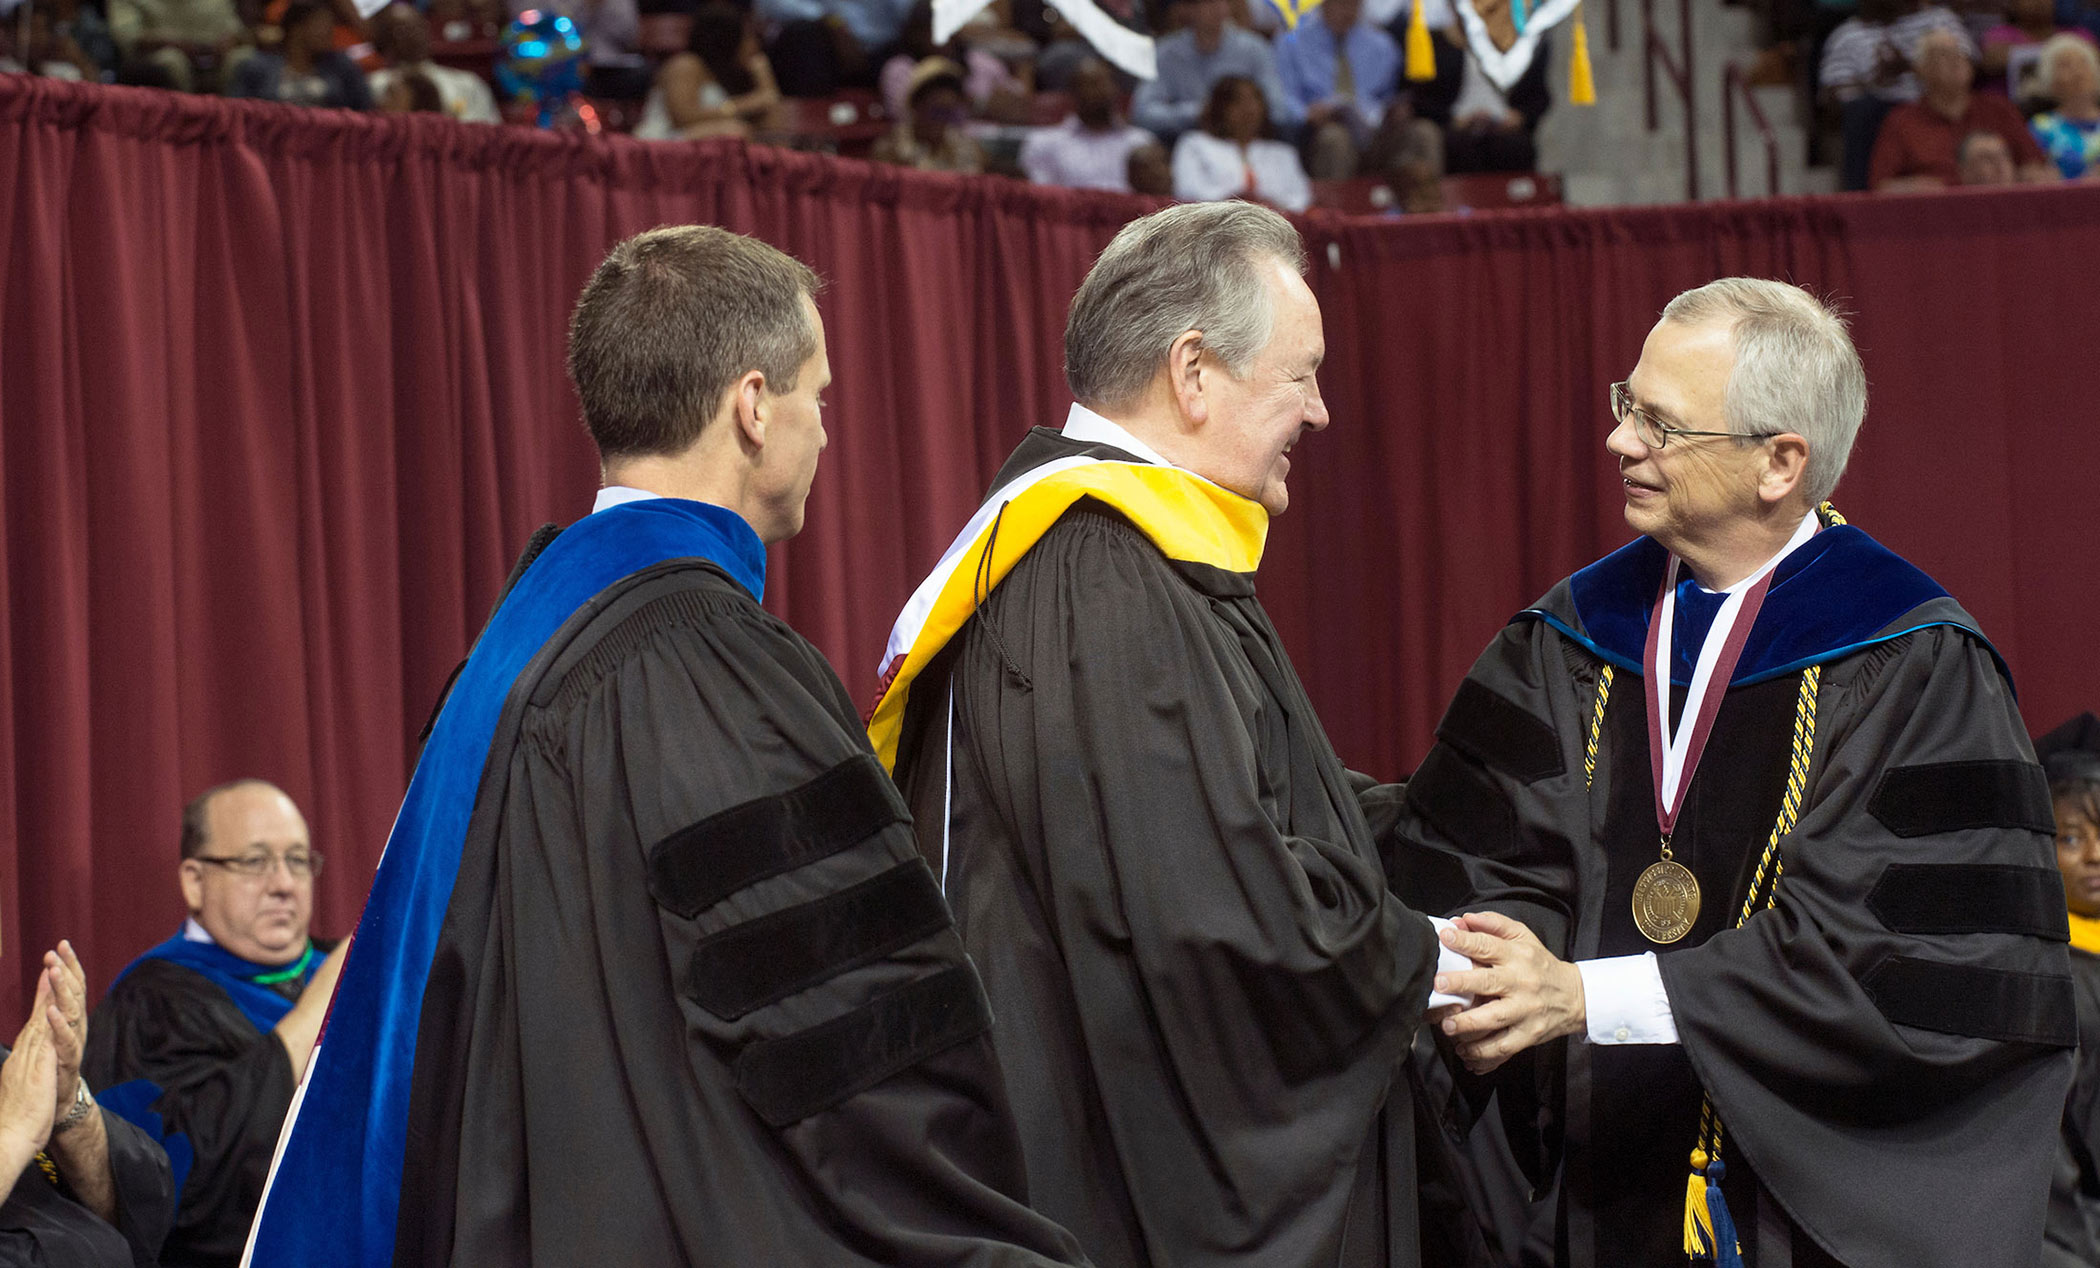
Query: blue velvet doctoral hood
263, 1007
335, 1190
1839, 592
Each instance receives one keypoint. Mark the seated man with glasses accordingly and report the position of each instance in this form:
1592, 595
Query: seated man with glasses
1745, 810
222, 1016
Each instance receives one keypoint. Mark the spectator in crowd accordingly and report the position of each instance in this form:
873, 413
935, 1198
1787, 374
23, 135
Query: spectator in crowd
1226, 156
1409, 152
993, 88
823, 45
1485, 129
193, 45
2070, 133
1984, 159
48, 50
1866, 71
1916, 147
412, 93
401, 35
1151, 171
306, 70
222, 1017
931, 136
2010, 63
721, 85
1193, 59
2073, 1230
85, 1189
1340, 74
82, 29
1091, 148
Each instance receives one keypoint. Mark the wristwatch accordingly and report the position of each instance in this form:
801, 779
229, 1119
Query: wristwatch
83, 1103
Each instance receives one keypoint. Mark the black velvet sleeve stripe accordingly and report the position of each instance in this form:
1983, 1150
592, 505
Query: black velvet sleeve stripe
698, 866
1463, 804
1501, 735
1967, 999
790, 1078
1916, 801
1971, 898
768, 959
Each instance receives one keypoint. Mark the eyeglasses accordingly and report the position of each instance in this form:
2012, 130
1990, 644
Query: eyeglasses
256, 866
1656, 433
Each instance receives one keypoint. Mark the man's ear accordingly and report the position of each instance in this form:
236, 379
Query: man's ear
1185, 371
751, 405
1786, 466
192, 879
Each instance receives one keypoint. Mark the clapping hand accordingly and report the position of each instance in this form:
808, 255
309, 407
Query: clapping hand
66, 984
1526, 995
28, 1084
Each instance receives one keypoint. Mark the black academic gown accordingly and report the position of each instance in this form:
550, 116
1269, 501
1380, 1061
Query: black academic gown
1887, 1049
697, 999
1205, 992
225, 1085
43, 1226
2073, 1233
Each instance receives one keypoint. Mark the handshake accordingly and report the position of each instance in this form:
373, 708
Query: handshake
1522, 993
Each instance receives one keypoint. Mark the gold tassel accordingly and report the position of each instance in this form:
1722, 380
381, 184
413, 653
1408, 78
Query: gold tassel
1698, 1221
1582, 81
1421, 58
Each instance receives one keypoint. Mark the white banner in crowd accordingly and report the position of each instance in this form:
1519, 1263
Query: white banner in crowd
1124, 48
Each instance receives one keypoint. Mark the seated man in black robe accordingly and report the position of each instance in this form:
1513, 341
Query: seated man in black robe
1205, 992
652, 972
214, 1025
1764, 784
84, 1188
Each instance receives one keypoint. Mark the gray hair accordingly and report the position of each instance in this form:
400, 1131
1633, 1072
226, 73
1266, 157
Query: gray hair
2062, 45
1795, 369
1198, 267
671, 320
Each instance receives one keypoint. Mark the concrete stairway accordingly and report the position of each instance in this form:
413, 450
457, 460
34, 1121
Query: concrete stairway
1606, 154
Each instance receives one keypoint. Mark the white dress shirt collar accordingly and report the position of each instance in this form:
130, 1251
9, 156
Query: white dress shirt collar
194, 932
619, 494
1084, 424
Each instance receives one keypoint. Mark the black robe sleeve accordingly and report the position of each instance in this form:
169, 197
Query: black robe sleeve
44, 1226
721, 1015
1246, 985
225, 1085
1899, 1025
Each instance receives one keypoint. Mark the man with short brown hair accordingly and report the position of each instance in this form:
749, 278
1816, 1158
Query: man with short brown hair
652, 972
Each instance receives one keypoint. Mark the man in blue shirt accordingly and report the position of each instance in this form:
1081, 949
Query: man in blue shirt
1205, 50
1340, 73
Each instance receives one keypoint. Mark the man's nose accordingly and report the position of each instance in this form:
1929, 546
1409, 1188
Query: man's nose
1624, 442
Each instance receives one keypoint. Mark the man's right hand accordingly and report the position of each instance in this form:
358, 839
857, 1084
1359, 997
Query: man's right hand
28, 1089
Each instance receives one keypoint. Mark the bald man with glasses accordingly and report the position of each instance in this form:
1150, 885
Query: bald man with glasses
221, 1017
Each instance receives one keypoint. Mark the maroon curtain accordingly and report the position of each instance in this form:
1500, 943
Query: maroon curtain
281, 394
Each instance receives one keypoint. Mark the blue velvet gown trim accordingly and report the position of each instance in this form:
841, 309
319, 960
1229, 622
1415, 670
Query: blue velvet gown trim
337, 1188
1840, 592
227, 971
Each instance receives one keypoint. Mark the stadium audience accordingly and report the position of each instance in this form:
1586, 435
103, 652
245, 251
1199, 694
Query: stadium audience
2069, 134
820, 46
1867, 71
1485, 129
1151, 171
1192, 60
1340, 74
1226, 156
721, 85
994, 90
222, 1017
1916, 147
192, 45
1091, 149
306, 69
401, 35
84, 1187
2009, 66
930, 137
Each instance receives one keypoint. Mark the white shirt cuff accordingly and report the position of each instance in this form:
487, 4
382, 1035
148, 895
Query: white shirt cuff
1447, 961
1625, 1001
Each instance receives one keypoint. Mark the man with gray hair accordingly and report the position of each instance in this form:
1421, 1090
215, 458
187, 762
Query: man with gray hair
1205, 989
652, 972
1745, 811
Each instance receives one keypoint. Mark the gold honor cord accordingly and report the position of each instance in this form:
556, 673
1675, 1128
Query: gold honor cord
1589, 752
1699, 1209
